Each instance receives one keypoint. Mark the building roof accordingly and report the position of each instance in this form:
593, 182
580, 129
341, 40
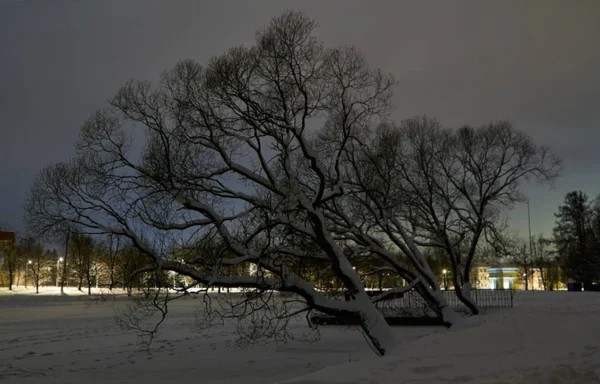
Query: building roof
7, 236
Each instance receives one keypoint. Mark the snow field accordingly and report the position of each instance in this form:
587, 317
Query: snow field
548, 337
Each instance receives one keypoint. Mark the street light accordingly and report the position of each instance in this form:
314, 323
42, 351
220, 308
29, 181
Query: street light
60, 259
445, 279
26, 270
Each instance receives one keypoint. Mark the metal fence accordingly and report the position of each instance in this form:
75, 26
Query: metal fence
413, 303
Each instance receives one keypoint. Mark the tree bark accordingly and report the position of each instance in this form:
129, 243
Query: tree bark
437, 302
463, 291
10, 275
376, 328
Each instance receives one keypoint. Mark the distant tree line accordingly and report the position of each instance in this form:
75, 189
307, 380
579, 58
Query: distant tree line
86, 262
577, 238
570, 254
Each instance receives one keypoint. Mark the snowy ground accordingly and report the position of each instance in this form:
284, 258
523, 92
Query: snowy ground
549, 337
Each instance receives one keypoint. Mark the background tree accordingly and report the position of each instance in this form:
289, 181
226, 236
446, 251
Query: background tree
38, 260
130, 259
546, 261
111, 250
63, 233
83, 250
522, 257
453, 185
575, 241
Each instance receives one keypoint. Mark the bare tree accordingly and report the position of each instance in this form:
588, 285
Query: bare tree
112, 249
64, 276
523, 258
38, 264
84, 250
545, 259
234, 151
576, 239
452, 186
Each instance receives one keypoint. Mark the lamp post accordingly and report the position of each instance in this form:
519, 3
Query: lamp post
525, 278
60, 259
27, 270
445, 272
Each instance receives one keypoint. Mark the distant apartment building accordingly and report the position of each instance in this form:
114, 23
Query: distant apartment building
480, 277
503, 277
507, 277
7, 243
7, 240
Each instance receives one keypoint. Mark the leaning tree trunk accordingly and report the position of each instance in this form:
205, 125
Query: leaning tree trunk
464, 295
435, 300
462, 288
374, 325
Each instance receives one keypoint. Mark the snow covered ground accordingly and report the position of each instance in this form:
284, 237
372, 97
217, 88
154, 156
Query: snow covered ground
548, 337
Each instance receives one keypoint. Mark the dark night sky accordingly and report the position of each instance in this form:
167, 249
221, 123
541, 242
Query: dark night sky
465, 62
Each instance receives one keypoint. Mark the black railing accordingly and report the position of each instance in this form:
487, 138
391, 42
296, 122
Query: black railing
411, 309
413, 302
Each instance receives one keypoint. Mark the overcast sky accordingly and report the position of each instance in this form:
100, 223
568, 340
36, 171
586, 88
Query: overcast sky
535, 63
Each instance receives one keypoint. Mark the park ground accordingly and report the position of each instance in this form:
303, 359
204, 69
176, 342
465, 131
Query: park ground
548, 337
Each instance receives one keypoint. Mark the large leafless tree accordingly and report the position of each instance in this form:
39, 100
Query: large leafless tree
280, 152
453, 186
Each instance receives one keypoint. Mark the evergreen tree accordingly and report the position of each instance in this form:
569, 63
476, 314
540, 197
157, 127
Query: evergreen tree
576, 244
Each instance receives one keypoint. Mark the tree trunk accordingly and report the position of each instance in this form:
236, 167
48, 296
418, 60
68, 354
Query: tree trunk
80, 281
437, 302
64, 271
37, 277
88, 279
10, 275
463, 291
544, 277
376, 328
112, 275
